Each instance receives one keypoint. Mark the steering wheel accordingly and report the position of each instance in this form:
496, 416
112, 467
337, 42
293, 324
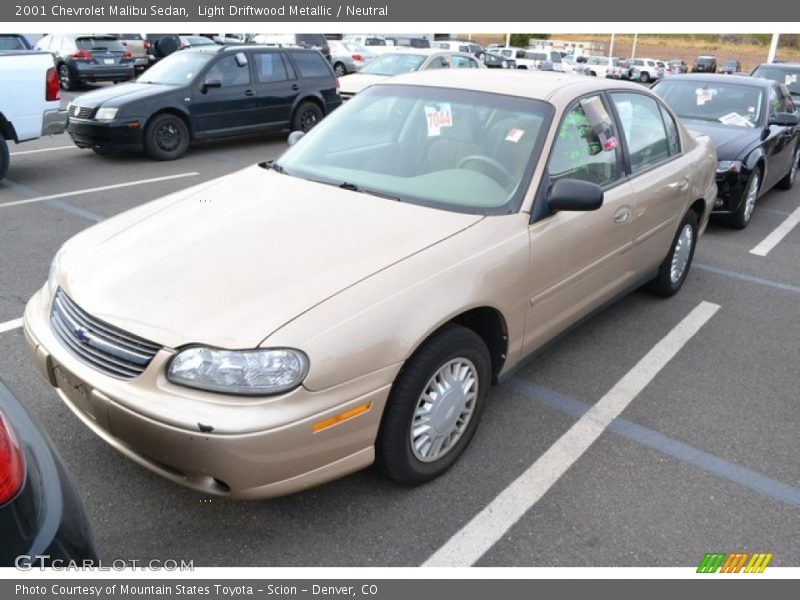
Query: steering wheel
506, 177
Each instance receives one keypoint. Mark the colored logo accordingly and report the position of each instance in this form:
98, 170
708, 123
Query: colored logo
737, 562
82, 336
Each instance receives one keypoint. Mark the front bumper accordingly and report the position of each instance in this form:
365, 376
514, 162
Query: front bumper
54, 122
258, 447
118, 134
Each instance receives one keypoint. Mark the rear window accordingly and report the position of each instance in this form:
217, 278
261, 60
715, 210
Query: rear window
310, 40
311, 64
790, 77
98, 43
128, 36
12, 42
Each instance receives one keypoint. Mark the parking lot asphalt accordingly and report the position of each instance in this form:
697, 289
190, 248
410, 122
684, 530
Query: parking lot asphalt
703, 459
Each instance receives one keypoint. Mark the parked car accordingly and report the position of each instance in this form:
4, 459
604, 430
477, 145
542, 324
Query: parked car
230, 38
365, 40
196, 41
754, 126
520, 57
41, 513
403, 232
317, 41
493, 60
569, 65
465, 46
88, 58
14, 42
644, 70
231, 90
785, 73
139, 47
348, 57
731, 66
677, 67
405, 61
705, 64
601, 66
33, 109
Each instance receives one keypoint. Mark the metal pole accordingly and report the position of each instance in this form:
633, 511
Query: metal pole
508, 40
611, 48
773, 47
633, 52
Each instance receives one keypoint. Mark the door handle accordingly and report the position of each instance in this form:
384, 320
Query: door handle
622, 214
295, 87
681, 185
249, 93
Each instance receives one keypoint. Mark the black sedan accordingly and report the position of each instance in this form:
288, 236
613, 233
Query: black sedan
754, 126
40, 512
785, 73
493, 60
206, 93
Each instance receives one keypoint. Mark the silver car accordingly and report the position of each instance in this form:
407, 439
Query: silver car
348, 57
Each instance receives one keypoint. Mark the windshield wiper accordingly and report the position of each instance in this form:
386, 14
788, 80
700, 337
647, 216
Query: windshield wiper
352, 187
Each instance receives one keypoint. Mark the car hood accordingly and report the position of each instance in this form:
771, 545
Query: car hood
729, 141
122, 93
228, 263
353, 84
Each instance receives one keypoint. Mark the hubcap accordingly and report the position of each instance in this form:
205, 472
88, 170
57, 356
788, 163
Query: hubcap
680, 254
308, 120
750, 201
64, 76
168, 137
444, 410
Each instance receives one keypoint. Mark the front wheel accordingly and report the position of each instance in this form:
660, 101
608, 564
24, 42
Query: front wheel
434, 407
741, 218
788, 181
672, 272
307, 116
4, 158
166, 137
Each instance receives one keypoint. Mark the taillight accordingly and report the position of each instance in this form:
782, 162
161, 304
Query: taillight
358, 57
127, 54
338, 84
146, 45
51, 89
12, 462
82, 55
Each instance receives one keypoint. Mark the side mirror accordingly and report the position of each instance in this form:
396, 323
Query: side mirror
211, 83
295, 137
784, 120
574, 194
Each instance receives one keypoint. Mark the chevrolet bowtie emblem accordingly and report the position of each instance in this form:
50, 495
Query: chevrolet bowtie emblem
82, 336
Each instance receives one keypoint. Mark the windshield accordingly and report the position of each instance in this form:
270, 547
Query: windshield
730, 104
394, 64
789, 77
454, 149
12, 42
179, 68
704, 60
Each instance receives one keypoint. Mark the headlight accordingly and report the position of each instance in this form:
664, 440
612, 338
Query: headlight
247, 372
106, 114
52, 276
729, 166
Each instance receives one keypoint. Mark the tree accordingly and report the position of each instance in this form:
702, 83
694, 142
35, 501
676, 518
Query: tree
521, 39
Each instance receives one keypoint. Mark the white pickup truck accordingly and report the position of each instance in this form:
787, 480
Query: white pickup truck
30, 105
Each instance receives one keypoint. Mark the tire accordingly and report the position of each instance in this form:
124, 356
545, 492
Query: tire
340, 69
166, 137
307, 115
453, 349
644, 77
672, 272
4, 158
592, 73
65, 79
788, 181
741, 218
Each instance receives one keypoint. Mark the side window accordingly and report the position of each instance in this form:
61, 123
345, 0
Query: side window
786, 99
673, 138
643, 127
578, 153
464, 62
229, 72
440, 62
311, 64
270, 67
774, 101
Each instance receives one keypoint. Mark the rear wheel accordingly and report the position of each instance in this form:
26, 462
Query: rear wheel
306, 117
434, 407
741, 218
166, 137
4, 158
644, 77
672, 272
788, 181
339, 69
65, 79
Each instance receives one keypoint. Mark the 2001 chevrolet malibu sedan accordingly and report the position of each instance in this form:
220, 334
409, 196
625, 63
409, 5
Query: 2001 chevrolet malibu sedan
353, 301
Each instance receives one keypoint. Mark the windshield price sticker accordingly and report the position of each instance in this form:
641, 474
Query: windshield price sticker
438, 116
514, 135
790, 79
704, 95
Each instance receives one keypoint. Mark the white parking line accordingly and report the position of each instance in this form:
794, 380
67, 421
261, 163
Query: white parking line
97, 189
9, 325
44, 150
486, 528
781, 231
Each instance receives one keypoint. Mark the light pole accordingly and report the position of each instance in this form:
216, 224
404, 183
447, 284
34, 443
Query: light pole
633, 51
611, 48
773, 47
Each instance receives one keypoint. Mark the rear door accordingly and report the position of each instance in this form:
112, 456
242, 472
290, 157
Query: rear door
230, 107
659, 174
277, 87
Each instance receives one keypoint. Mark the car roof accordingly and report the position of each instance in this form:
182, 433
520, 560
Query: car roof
511, 82
787, 66
718, 78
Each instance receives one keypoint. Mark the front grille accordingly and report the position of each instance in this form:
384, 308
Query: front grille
98, 344
80, 112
